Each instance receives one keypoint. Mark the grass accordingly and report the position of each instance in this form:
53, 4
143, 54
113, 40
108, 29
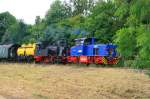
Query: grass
30, 81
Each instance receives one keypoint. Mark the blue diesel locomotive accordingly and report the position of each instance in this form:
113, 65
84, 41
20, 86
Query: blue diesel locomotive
87, 51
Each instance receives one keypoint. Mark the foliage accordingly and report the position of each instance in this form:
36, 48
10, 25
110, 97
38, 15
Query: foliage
148, 73
82, 6
141, 10
102, 21
53, 33
122, 12
123, 22
37, 30
126, 41
133, 37
143, 40
57, 12
6, 22
17, 33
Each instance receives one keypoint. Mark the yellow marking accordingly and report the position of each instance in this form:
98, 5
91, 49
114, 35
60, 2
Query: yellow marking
104, 60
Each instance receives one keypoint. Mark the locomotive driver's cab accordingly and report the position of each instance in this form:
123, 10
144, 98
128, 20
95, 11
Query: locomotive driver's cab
88, 47
42, 44
79, 41
85, 41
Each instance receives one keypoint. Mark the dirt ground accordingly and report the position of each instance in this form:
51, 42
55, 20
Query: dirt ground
30, 81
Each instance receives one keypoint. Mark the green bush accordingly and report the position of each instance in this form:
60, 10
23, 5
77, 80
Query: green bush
128, 63
148, 73
141, 64
120, 63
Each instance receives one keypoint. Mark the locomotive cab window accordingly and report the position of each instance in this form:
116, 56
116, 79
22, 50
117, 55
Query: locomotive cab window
80, 41
95, 51
87, 42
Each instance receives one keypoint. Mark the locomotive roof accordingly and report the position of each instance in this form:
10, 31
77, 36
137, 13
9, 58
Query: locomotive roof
78, 39
8, 45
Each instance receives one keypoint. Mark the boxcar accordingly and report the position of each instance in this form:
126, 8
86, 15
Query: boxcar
8, 51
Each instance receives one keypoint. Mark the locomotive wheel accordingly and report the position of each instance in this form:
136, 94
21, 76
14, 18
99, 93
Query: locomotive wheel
87, 64
46, 60
35, 62
29, 59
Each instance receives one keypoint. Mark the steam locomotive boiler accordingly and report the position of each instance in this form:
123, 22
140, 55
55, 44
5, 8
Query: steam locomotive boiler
51, 53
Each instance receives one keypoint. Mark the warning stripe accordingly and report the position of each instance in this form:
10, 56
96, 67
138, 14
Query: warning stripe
104, 60
117, 60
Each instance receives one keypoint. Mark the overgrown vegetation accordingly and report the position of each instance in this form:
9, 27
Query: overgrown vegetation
124, 22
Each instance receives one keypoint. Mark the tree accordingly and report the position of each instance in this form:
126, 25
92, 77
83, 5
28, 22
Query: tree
126, 40
140, 10
9, 35
143, 39
37, 30
17, 33
122, 12
135, 30
102, 21
53, 33
75, 23
6, 21
57, 12
82, 6
38, 20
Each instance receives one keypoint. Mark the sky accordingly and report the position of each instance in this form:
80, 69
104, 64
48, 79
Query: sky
26, 9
